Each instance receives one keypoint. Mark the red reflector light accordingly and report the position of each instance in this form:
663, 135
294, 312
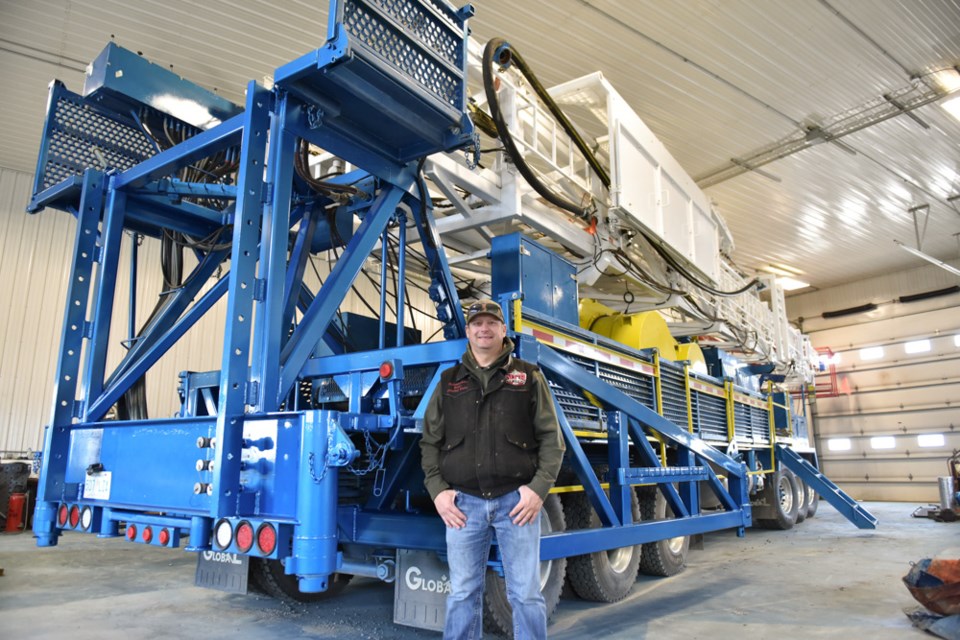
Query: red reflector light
62, 515
266, 539
386, 369
164, 537
131, 532
243, 536
147, 534
74, 516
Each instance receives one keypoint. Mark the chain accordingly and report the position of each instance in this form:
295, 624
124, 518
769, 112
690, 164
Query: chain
473, 159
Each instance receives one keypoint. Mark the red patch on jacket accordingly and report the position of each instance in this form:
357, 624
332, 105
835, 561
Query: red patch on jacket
458, 386
516, 378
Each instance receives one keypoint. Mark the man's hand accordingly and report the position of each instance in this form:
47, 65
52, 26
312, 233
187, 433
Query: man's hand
447, 508
528, 507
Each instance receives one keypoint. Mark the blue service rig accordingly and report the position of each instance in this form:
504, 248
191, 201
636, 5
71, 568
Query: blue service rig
301, 451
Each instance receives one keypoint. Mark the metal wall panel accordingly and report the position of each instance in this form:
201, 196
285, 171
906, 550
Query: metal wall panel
883, 291
899, 395
33, 273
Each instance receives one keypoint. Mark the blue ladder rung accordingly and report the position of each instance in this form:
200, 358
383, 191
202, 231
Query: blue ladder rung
659, 475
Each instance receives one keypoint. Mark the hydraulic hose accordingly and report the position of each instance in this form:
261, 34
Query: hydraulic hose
505, 55
499, 51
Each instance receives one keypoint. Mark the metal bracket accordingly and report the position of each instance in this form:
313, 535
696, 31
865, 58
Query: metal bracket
259, 289
253, 393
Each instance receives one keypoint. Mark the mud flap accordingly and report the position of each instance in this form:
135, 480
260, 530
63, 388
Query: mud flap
420, 593
222, 571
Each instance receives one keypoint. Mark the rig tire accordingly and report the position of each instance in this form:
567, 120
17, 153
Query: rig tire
802, 498
780, 491
813, 501
269, 577
662, 558
602, 576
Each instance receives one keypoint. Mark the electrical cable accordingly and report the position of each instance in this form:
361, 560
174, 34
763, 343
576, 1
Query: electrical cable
301, 165
700, 284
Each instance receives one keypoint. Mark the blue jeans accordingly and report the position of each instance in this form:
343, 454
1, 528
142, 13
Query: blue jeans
468, 550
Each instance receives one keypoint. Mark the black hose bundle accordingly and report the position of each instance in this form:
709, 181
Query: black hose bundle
502, 53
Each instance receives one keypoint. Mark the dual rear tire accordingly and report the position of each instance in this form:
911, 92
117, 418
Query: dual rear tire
790, 500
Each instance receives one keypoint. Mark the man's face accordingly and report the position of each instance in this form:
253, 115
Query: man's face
485, 334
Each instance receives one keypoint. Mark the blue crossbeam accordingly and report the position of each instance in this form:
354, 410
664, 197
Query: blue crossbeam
659, 475
587, 541
184, 154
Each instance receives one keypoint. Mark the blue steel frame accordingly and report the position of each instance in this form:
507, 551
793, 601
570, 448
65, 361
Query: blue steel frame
257, 456
251, 457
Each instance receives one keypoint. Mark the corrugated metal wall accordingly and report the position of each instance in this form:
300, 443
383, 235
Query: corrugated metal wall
35, 253
893, 416
33, 275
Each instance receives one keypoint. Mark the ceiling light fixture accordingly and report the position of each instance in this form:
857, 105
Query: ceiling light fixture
782, 270
952, 106
792, 284
929, 258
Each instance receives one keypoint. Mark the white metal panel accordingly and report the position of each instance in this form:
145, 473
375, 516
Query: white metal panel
33, 273
916, 421
899, 395
884, 291
881, 405
903, 373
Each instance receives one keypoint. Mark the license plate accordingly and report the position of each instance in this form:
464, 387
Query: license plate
97, 486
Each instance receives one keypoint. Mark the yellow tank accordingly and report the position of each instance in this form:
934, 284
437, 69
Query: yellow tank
691, 351
644, 330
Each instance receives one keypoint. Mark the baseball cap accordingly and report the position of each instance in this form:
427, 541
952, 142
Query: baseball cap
484, 307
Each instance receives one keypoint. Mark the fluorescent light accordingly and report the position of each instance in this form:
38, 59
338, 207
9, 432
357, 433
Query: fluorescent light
838, 444
917, 346
781, 270
871, 353
956, 340
948, 79
791, 284
952, 106
883, 442
929, 258
930, 440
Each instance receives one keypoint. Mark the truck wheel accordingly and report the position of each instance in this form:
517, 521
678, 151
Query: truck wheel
664, 557
801, 498
269, 576
780, 492
602, 576
497, 613
813, 501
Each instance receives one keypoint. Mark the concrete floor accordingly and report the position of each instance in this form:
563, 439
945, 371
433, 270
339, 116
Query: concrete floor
823, 579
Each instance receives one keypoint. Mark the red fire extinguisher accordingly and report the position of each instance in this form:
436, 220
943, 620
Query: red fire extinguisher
15, 512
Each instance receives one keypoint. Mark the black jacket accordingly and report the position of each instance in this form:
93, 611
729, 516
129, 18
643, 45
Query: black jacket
488, 431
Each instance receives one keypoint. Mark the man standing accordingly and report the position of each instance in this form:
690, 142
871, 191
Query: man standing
491, 449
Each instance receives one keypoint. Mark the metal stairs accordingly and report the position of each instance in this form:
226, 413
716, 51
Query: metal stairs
847, 506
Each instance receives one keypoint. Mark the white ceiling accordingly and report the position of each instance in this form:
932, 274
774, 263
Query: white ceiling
714, 79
